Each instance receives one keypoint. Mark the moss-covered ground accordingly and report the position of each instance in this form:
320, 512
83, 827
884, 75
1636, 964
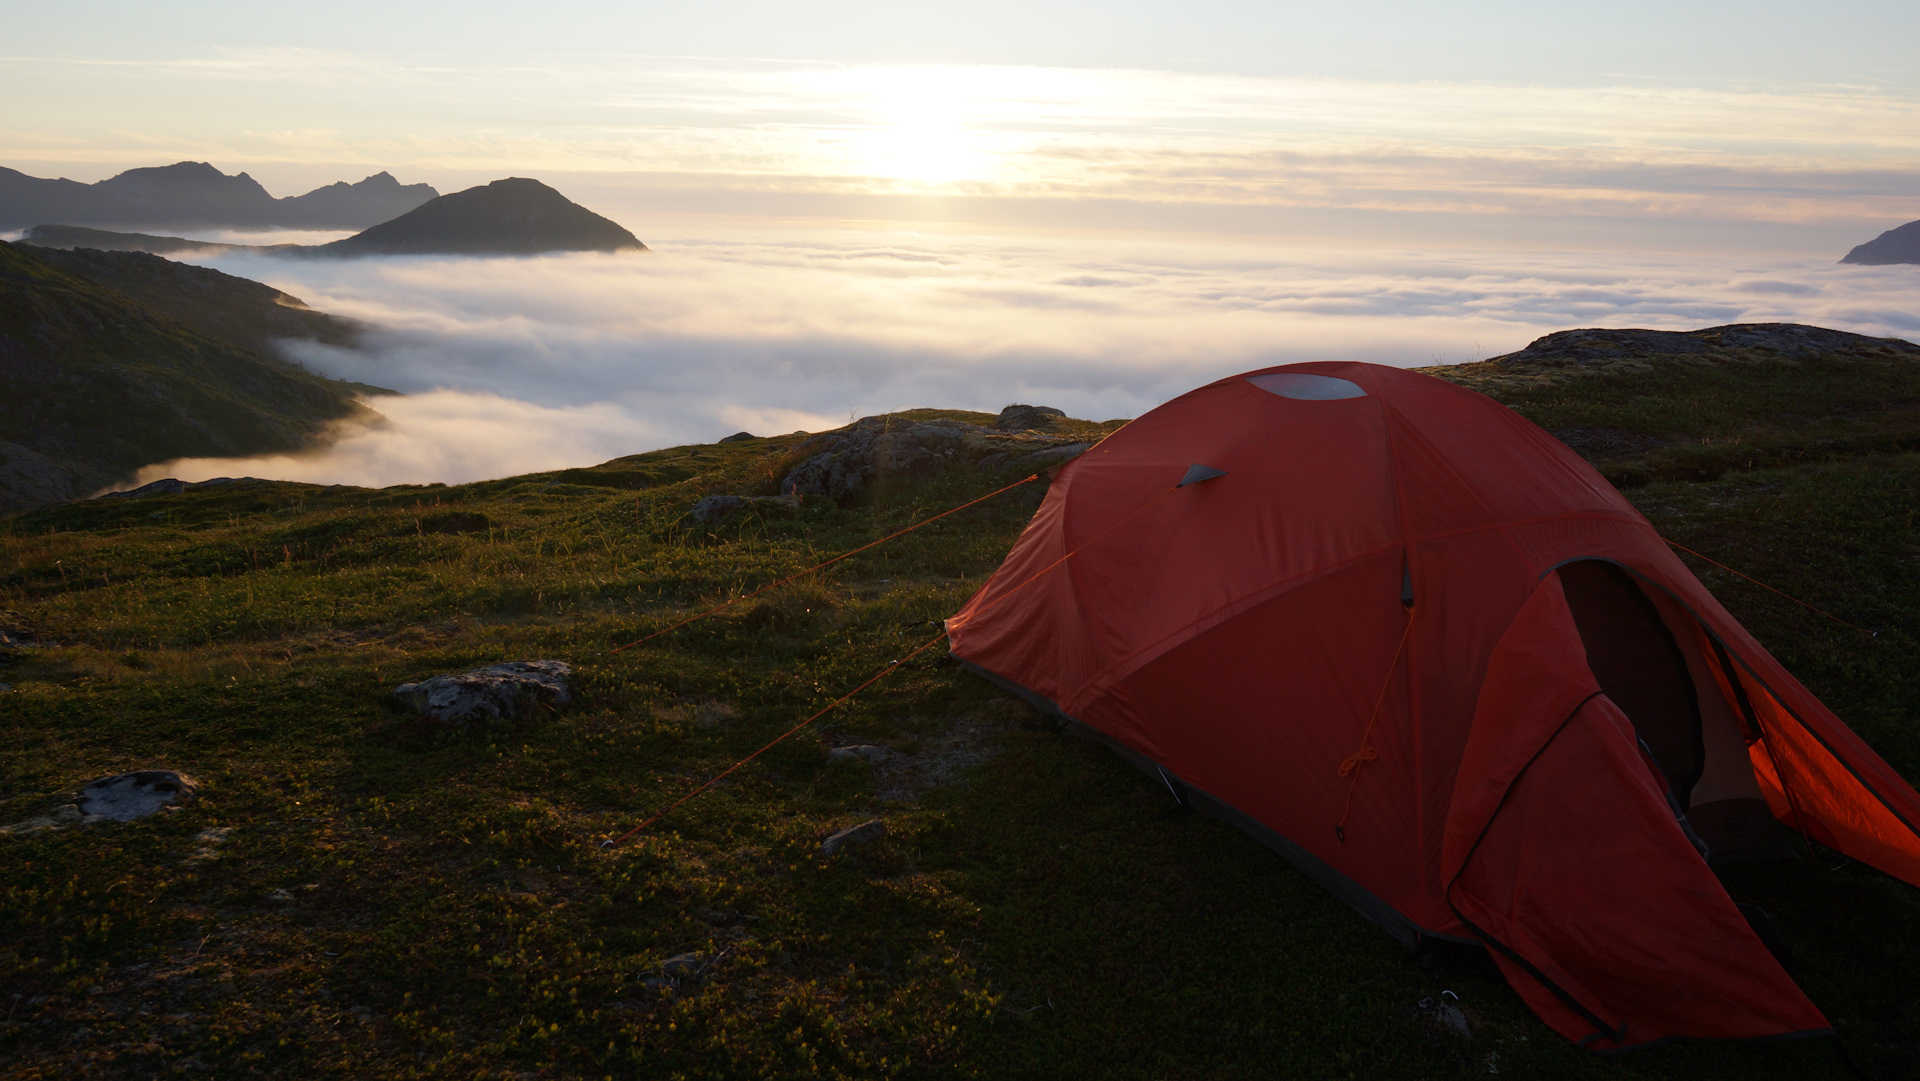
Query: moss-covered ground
357, 894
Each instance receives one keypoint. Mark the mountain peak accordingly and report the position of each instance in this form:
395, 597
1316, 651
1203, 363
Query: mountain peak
1898, 245
514, 216
194, 194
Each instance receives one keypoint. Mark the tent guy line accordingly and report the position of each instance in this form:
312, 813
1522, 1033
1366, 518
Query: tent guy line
820, 566
892, 666
1770, 589
1350, 768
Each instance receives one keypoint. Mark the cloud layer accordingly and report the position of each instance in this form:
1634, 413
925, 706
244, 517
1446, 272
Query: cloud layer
517, 365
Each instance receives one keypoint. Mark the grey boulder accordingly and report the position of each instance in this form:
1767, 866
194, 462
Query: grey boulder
124, 797
497, 693
1019, 418
843, 465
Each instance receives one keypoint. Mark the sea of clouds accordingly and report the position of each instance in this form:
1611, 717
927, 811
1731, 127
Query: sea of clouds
516, 365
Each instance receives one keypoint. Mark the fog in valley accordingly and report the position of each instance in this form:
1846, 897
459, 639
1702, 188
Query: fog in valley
515, 365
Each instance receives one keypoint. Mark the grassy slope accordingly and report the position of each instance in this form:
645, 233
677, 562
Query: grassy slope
449, 913
103, 385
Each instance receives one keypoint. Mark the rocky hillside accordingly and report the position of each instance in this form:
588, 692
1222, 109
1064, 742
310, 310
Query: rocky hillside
1647, 405
1901, 245
194, 194
98, 384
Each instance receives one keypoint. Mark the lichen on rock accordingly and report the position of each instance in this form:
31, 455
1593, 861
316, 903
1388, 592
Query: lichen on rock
498, 693
845, 464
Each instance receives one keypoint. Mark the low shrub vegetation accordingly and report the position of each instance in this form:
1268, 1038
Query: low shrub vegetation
360, 893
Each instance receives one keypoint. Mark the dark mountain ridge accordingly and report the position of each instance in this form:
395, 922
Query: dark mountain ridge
99, 384
81, 236
1899, 245
515, 216
191, 194
242, 312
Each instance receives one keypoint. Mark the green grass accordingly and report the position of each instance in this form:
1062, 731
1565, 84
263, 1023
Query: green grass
448, 911
1694, 417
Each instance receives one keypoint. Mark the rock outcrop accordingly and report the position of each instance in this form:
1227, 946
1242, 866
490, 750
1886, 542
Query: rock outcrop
127, 796
495, 694
1602, 347
1572, 354
121, 797
842, 465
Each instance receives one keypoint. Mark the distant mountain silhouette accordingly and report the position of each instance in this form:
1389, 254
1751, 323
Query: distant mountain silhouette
1900, 245
341, 205
192, 194
515, 216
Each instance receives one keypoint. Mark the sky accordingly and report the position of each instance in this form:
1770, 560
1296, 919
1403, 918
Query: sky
857, 206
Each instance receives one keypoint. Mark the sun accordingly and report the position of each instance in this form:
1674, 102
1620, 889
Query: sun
921, 135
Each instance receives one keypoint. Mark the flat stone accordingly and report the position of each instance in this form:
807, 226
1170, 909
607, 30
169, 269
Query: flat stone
853, 837
510, 691
864, 751
127, 796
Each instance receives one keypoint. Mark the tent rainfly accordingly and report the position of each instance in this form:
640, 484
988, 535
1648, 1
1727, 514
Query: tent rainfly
1420, 648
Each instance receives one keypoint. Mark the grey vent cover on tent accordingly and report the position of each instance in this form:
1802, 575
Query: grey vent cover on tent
1306, 387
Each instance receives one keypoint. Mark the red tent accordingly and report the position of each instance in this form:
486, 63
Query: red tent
1423, 650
